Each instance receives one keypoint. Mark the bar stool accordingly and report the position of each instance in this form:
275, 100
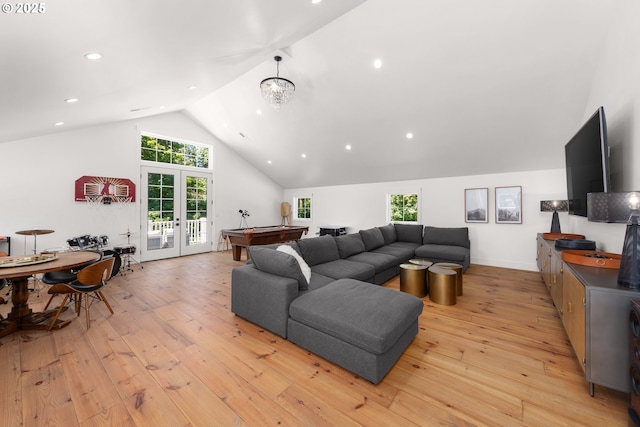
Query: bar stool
442, 285
458, 269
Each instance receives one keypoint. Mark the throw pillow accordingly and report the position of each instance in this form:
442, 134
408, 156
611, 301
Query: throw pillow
318, 250
349, 244
278, 263
446, 236
389, 234
409, 233
372, 238
304, 267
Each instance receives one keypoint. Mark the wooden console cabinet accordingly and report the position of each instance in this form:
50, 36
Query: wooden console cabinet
595, 313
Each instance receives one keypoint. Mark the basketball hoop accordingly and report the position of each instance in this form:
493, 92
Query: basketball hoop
93, 201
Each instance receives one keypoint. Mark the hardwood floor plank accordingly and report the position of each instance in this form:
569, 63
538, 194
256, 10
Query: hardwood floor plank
115, 416
10, 382
173, 354
196, 401
244, 398
145, 401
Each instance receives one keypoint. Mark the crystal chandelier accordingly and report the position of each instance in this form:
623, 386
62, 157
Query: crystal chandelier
276, 90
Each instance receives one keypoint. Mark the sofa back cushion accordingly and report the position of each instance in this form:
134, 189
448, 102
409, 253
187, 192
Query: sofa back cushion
446, 236
372, 238
278, 263
318, 250
389, 233
349, 244
411, 233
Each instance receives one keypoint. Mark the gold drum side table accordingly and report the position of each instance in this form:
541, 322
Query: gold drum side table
442, 285
413, 279
458, 269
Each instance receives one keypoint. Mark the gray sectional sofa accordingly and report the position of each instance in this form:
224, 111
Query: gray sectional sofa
319, 292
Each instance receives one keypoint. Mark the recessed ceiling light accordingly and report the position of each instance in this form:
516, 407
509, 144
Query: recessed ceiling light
315, 1
192, 87
348, 147
304, 156
58, 124
259, 112
71, 100
269, 161
409, 135
93, 56
377, 63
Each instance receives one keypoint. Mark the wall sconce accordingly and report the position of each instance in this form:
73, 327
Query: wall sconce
554, 206
621, 207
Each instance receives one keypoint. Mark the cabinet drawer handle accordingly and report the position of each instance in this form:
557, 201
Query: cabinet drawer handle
569, 307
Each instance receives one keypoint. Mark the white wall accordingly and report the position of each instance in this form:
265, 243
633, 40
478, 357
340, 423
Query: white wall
37, 182
442, 204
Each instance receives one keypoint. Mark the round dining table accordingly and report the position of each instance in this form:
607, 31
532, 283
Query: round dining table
18, 270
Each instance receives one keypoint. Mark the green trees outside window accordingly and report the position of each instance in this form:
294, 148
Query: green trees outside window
403, 207
303, 208
160, 150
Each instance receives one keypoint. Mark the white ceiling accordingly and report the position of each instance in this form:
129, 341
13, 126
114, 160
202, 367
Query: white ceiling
484, 86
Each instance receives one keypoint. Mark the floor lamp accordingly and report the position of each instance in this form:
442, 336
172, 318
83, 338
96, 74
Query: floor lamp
554, 206
621, 207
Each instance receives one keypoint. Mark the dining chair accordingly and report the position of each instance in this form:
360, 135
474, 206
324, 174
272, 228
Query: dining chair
88, 284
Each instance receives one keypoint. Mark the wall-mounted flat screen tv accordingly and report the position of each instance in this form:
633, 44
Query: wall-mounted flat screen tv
587, 161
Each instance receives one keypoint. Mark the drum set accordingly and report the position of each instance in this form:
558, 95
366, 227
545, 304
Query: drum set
123, 255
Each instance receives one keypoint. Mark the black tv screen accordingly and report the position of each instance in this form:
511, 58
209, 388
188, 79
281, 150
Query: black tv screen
587, 161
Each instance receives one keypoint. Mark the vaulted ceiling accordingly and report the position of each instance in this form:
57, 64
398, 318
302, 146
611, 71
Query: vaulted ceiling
485, 86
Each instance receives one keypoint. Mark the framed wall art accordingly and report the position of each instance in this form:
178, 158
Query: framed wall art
476, 205
509, 205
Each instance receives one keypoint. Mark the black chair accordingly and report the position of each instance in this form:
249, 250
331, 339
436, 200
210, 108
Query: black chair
88, 284
63, 276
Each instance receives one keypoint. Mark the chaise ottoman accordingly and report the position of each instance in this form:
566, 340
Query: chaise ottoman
362, 327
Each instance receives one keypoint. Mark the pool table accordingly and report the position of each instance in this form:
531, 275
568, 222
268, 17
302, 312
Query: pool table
243, 237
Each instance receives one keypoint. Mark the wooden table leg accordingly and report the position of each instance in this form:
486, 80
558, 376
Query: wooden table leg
237, 252
21, 316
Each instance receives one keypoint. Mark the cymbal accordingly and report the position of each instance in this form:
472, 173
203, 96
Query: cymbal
128, 233
34, 232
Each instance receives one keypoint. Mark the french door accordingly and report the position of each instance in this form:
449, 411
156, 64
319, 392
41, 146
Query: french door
176, 214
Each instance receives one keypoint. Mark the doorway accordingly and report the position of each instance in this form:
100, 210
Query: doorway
176, 212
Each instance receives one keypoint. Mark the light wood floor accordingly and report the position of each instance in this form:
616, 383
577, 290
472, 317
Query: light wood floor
174, 355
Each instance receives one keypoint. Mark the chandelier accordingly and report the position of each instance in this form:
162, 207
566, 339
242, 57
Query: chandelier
276, 90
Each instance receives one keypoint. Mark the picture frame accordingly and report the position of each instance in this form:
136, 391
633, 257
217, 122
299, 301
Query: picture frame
509, 205
476, 207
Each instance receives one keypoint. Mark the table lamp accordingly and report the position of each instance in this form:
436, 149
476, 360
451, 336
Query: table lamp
621, 207
554, 206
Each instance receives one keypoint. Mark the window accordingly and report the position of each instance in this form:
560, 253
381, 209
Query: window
302, 206
403, 207
155, 149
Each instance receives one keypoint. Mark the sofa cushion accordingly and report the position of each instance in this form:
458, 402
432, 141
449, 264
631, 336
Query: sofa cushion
370, 318
304, 267
372, 238
446, 236
411, 233
343, 269
403, 251
277, 263
349, 244
389, 233
318, 250
379, 261
443, 253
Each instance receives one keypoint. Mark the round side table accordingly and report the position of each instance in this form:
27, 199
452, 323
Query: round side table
442, 285
458, 269
413, 279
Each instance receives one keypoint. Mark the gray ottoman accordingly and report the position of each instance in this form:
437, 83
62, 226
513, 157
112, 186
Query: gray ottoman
362, 327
